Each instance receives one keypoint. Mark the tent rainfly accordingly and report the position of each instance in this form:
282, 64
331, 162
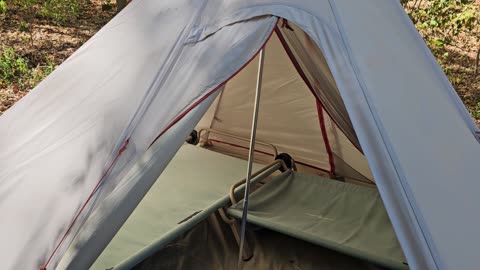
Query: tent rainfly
350, 91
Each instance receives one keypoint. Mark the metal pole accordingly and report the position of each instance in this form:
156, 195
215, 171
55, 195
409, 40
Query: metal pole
250, 153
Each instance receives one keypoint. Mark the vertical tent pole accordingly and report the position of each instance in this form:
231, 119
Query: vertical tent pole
251, 152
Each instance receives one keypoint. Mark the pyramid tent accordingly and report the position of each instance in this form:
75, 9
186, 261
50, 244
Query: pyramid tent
81, 150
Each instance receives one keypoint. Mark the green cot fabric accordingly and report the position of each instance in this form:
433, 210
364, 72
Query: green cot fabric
344, 217
271, 251
195, 179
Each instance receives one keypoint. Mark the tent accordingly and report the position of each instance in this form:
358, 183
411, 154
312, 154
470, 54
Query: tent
357, 94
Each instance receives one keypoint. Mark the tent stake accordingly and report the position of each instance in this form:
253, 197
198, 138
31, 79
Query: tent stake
250, 153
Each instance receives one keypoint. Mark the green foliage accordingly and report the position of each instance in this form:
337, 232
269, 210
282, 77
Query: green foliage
13, 68
41, 72
3, 7
60, 12
23, 27
451, 29
476, 111
443, 20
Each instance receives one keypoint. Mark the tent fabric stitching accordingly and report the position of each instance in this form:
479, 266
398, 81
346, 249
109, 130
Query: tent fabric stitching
149, 96
328, 148
129, 129
252, 11
69, 228
452, 93
266, 37
408, 196
180, 116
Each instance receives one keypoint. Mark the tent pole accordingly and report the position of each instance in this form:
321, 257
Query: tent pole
251, 152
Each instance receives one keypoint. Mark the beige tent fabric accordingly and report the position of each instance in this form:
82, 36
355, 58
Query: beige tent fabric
288, 117
313, 67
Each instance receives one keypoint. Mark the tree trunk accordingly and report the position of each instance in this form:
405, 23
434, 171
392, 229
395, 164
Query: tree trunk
121, 4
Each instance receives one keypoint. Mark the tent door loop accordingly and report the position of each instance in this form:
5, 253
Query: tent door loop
286, 25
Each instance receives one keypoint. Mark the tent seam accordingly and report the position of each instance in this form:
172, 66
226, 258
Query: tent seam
460, 106
380, 129
129, 129
326, 141
266, 37
236, 15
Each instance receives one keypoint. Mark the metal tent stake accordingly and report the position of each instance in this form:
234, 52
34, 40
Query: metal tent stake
251, 152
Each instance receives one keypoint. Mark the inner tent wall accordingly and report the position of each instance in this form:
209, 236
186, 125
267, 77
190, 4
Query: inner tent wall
289, 115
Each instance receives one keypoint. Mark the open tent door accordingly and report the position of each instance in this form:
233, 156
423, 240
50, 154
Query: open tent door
292, 117
290, 121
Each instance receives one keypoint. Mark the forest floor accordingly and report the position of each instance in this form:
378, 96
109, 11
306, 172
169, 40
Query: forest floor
34, 49
455, 48
459, 65
41, 45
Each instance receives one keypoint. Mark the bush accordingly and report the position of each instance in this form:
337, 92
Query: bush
441, 21
41, 72
13, 68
